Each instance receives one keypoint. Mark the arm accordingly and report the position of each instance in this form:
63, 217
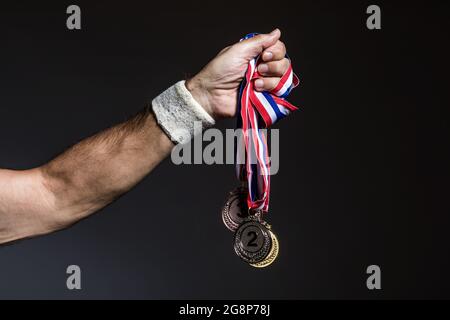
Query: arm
82, 180
93, 173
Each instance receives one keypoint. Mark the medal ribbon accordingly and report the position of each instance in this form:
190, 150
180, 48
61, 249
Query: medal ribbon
259, 110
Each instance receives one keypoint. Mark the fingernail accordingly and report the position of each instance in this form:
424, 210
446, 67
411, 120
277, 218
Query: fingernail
274, 31
268, 55
263, 68
259, 83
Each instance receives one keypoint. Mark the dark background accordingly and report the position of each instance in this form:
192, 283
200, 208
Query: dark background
363, 164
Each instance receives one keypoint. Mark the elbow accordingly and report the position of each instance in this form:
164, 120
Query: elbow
50, 205
67, 196
28, 207
58, 210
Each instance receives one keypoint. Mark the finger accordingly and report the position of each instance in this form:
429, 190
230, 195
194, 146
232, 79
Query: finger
266, 84
254, 46
274, 68
274, 52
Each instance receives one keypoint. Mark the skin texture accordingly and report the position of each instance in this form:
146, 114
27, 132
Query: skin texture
99, 169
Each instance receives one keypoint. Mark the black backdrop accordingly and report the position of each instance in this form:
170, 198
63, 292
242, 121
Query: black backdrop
362, 176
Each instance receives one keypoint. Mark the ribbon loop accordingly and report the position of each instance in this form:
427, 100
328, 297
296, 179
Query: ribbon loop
254, 106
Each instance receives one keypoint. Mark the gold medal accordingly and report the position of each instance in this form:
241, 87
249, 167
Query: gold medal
273, 254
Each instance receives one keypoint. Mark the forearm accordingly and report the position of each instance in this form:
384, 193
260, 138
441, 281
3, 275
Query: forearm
93, 173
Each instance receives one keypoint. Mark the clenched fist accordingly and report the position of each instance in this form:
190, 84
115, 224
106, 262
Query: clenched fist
216, 86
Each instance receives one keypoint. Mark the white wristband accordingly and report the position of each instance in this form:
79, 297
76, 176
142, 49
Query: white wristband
177, 112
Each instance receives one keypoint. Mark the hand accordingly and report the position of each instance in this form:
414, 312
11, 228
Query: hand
216, 86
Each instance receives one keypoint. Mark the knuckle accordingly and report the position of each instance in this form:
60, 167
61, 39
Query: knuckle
286, 64
282, 48
277, 67
272, 83
278, 53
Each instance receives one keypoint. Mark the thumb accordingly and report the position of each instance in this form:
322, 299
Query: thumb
252, 47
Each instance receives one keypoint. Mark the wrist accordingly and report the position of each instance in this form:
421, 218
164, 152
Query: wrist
178, 112
201, 94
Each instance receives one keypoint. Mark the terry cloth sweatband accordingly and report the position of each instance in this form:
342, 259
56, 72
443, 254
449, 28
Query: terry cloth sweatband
179, 115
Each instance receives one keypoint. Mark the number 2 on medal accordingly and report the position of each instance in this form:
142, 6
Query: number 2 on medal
252, 241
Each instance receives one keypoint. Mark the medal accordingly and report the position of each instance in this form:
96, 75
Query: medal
273, 254
235, 210
254, 240
255, 243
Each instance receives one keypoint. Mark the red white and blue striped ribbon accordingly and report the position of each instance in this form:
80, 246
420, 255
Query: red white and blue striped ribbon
259, 110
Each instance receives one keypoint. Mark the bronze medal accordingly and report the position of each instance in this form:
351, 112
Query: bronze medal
235, 210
